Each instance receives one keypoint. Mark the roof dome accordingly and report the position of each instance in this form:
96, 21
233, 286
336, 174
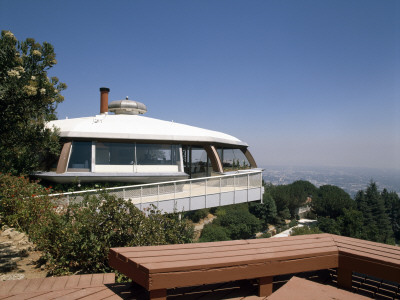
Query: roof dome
127, 107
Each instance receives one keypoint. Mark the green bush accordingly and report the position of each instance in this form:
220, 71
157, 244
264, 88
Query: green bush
79, 239
197, 215
293, 223
241, 224
21, 206
305, 230
214, 233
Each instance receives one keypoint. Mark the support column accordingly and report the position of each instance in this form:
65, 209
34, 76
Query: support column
214, 157
344, 278
265, 286
63, 160
158, 294
249, 157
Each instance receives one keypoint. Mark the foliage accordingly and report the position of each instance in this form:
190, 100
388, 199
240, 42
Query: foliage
241, 224
28, 99
328, 225
392, 205
377, 225
21, 207
265, 211
293, 223
299, 191
196, 215
330, 201
351, 223
78, 240
305, 230
213, 233
290, 197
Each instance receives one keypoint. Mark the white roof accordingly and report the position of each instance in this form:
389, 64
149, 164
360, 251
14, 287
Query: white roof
137, 127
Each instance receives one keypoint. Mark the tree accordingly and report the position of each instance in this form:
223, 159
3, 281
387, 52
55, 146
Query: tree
299, 191
392, 205
214, 233
28, 99
351, 223
377, 226
330, 201
265, 211
239, 223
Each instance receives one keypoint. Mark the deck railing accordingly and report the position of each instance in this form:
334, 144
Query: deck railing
243, 186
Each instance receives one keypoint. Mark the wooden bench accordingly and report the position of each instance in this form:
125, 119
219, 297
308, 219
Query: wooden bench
158, 268
365, 257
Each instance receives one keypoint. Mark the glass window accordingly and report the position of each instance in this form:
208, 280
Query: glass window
156, 154
233, 159
115, 153
201, 165
81, 157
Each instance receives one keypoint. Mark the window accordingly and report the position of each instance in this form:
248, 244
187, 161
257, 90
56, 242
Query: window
157, 154
233, 159
115, 154
81, 157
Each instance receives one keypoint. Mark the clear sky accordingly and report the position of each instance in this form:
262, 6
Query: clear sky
312, 83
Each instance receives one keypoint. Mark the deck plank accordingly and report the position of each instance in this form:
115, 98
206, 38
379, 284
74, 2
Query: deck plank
143, 253
302, 289
34, 284
20, 286
231, 252
72, 281
236, 260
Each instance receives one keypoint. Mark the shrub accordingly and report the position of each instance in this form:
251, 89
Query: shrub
305, 230
213, 233
21, 206
241, 224
78, 240
197, 215
293, 223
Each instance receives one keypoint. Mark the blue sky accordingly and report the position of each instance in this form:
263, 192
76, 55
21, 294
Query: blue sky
304, 83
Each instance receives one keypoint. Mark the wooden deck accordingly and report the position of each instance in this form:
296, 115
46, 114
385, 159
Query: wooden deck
158, 268
91, 286
242, 269
301, 289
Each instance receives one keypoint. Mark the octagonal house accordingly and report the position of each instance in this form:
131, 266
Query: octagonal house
129, 147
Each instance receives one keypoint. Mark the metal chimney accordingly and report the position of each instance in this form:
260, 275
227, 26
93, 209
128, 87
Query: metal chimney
104, 100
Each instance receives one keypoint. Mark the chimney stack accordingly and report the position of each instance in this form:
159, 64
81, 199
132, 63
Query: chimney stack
104, 100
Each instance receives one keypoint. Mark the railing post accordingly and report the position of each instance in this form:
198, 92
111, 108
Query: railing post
158, 194
190, 195
174, 195
220, 190
261, 187
248, 186
123, 193
234, 189
141, 195
205, 193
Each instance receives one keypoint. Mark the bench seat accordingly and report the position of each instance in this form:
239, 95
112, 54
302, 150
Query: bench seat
158, 268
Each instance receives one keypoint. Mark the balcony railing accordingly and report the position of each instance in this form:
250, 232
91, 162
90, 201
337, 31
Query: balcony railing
185, 195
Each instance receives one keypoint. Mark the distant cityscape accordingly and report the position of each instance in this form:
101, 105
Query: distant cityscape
351, 180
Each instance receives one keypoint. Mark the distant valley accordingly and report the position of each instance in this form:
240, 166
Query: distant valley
349, 179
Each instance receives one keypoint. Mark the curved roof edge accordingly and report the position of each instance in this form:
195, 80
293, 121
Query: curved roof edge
137, 127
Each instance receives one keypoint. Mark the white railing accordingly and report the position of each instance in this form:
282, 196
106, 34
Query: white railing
206, 187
